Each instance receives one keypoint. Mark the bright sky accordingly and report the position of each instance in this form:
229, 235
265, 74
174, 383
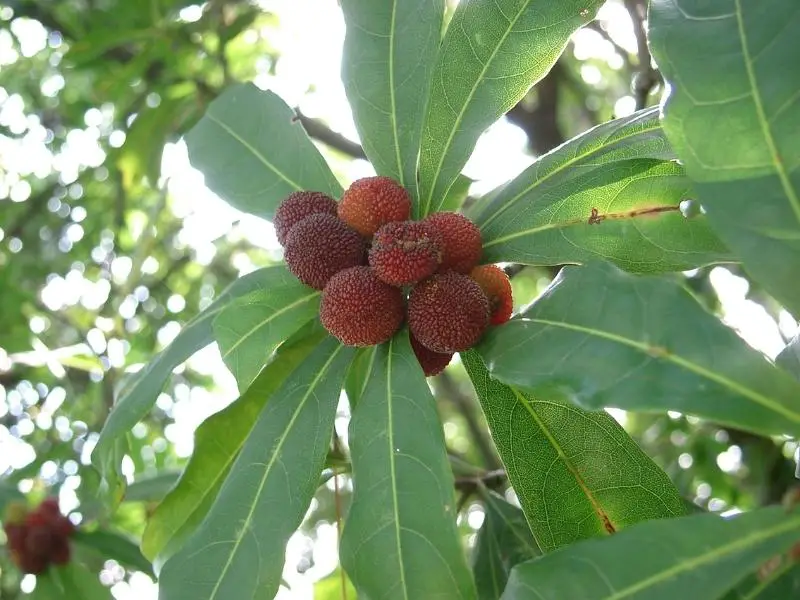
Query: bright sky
499, 156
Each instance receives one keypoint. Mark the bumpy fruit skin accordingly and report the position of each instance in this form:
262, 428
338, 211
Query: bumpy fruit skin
320, 246
405, 252
372, 202
432, 363
448, 312
461, 241
298, 206
495, 284
359, 309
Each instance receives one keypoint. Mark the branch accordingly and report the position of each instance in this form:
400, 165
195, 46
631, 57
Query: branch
494, 480
596, 26
647, 77
465, 405
318, 130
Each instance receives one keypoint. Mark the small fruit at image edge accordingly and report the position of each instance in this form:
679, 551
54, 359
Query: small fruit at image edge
38, 538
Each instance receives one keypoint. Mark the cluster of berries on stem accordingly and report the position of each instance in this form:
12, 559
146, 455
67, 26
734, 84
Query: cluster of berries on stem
378, 268
37, 538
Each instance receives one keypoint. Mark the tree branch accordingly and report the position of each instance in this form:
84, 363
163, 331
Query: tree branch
596, 26
494, 480
448, 388
318, 130
646, 77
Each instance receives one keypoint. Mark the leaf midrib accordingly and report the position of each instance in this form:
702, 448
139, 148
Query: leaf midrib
574, 222
713, 554
754, 592
654, 125
266, 321
254, 151
393, 469
678, 360
472, 92
392, 100
596, 506
268, 469
766, 131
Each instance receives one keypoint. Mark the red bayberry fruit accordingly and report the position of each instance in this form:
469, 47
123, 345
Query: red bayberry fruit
495, 284
320, 246
461, 241
39, 541
37, 518
432, 363
63, 526
60, 552
359, 309
448, 312
298, 206
49, 506
405, 252
15, 533
29, 563
374, 201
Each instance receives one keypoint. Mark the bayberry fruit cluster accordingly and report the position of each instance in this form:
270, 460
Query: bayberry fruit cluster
38, 538
376, 268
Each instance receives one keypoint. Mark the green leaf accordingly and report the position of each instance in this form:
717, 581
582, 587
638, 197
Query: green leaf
403, 507
9, 493
698, 557
637, 136
140, 155
359, 374
789, 358
608, 193
111, 545
217, 443
733, 119
238, 551
253, 151
153, 488
781, 580
137, 398
503, 541
605, 338
577, 474
388, 56
330, 588
457, 194
491, 55
70, 582
249, 329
